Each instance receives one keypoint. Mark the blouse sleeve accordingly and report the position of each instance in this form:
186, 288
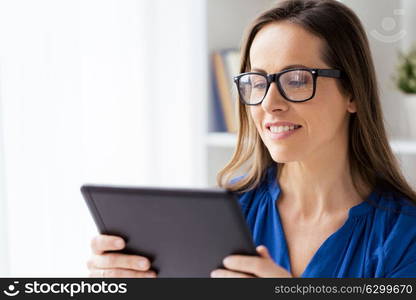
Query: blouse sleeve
400, 249
405, 271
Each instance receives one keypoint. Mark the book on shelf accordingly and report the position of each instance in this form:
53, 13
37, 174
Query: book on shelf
225, 65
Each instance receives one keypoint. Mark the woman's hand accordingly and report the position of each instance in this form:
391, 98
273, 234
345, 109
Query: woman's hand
246, 266
102, 264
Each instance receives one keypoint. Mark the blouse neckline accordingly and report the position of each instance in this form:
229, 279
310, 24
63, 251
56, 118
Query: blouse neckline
357, 210
360, 209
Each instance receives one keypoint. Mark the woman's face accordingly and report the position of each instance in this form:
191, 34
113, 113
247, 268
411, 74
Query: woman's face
324, 118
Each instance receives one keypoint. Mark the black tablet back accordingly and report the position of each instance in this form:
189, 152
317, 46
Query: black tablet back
184, 232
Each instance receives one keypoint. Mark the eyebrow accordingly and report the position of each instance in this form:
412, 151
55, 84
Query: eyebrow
285, 68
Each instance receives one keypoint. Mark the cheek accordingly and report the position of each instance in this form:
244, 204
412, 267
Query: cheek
257, 116
323, 119
326, 119
328, 108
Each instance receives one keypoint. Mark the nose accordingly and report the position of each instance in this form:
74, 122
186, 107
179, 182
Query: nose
274, 100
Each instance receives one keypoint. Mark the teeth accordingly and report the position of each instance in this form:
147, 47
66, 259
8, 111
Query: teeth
278, 129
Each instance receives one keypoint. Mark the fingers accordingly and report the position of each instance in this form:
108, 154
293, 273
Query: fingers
102, 264
242, 263
261, 266
111, 273
262, 250
222, 273
102, 243
118, 261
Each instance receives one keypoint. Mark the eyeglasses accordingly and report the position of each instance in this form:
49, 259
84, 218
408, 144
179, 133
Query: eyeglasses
295, 85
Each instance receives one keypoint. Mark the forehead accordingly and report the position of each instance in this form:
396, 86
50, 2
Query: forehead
281, 44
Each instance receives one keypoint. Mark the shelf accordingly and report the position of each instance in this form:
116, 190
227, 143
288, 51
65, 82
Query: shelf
228, 140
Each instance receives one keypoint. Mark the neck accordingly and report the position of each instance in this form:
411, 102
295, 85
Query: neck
319, 185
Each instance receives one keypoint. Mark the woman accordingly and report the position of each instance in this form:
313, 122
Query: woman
323, 192
323, 195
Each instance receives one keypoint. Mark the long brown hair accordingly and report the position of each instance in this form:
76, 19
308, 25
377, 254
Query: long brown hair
346, 48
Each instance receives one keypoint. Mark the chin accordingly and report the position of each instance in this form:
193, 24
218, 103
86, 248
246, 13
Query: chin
279, 159
280, 155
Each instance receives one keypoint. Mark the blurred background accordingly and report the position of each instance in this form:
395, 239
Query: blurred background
128, 92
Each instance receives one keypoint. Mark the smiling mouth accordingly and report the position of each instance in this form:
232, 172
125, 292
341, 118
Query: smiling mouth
279, 129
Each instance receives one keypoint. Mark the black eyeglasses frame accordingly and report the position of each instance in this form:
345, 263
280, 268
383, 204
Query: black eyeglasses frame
270, 78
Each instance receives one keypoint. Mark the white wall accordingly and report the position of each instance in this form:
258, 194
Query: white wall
409, 23
4, 265
100, 91
383, 21
390, 26
225, 29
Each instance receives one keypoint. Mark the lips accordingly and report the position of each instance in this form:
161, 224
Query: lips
281, 130
282, 123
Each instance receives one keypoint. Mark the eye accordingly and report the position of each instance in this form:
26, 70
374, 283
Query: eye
298, 83
259, 85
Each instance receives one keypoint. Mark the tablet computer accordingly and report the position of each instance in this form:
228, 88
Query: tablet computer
184, 232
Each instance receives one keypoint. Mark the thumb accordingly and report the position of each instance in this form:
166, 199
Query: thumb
262, 250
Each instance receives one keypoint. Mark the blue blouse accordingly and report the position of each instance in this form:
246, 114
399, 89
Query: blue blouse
374, 241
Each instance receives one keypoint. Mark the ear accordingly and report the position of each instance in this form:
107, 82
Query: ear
351, 106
